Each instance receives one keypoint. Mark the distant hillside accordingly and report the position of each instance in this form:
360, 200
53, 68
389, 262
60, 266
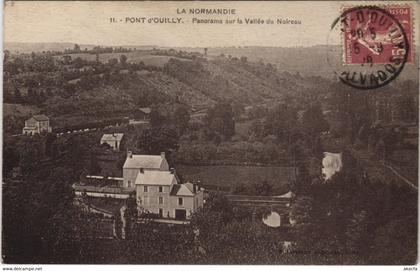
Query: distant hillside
307, 61
28, 47
85, 90
23, 47
108, 89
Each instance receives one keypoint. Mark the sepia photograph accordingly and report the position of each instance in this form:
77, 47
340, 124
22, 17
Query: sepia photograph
210, 133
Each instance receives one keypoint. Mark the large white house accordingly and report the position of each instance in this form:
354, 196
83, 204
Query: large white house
157, 188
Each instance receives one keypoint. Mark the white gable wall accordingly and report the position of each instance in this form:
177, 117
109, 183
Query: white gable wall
150, 200
164, 165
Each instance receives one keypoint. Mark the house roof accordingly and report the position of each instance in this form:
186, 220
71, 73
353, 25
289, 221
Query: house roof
144, 161
288, 195
112, 137
146, 110
155, 177
182, 190
40, 117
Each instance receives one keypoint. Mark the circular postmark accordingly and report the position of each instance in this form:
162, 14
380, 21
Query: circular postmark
374, 49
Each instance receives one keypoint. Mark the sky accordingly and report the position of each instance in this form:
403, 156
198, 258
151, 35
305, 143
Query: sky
89, 23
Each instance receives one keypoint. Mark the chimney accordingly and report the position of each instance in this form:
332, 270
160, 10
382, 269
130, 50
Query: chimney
194, 188
198, 185
141, 170
172, 170
129, 154
162, 154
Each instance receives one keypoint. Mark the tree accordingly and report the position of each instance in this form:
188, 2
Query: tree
313, 121
10, 159
357, 231
76, 48
300, 213
113, 61
157, 140
131, 215
313, 124
220, 119
17, 95
30, 154
156, 118
76, 152
49, 142
94, 167
281, 122
181, 118
263, 188
123, 59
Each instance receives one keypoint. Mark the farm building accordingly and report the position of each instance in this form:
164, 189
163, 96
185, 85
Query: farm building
114, 140
142, 113
36, 125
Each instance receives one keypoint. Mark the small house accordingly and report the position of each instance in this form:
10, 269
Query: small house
37, 125
142, 113
114, 140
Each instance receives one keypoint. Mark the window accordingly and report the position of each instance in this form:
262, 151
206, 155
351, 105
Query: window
180, 201
160, 189
129, 184
145, 188
160, 200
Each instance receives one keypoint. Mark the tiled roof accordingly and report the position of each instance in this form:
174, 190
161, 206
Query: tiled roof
41, 117
182, 190
112, 137
144, 161
146, 110
152, 177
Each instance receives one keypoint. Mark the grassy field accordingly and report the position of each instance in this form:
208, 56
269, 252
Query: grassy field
19, 110
230, 176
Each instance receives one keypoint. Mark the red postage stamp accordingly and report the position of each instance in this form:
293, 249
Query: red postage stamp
377, 35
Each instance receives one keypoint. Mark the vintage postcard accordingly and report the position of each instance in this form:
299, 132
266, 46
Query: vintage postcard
203, 133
